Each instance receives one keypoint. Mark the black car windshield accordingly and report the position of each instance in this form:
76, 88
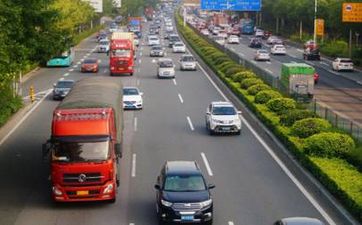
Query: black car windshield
166, 64
188, 59
183, 183
156, 48
90, 61
223, 110
65, 84
80, 151
130, 91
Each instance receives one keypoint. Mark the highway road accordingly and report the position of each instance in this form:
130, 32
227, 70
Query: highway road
340, 91
252, 185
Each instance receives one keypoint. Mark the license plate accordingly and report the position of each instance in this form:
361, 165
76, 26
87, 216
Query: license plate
187, 218
120, 69
226, 128
82, 192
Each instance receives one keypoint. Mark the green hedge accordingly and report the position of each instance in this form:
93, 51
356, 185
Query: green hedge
307, 127
266, 95
248, 82
255, 89
281, 105
9, 105
291, 116
331, 172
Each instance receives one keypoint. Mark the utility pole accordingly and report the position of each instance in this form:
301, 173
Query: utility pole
315, 22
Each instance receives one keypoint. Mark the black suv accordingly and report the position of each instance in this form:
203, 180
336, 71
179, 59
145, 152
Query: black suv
182, 194
255, 43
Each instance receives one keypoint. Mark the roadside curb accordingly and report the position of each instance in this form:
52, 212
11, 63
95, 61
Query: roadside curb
310, 182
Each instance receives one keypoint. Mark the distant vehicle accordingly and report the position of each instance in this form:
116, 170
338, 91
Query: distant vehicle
342, 64
222, 34
222, 117
90, 65
178, 47
219, 40
233, 39
255, 43
205, 32
65, 59
182, 194
132, 98
299, 221
246, 26
267, 34
166, 68
169, 28
187, 62
311, 51
272, 40
113, 27
262, 55
278, 50
316, 78
215, 30
153, 40
259, 33
62, 88
173, 38
157, 50
103, 46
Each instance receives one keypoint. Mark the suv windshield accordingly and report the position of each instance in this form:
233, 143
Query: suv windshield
183, 183
223, 110
80, 151
188, 59
65, 84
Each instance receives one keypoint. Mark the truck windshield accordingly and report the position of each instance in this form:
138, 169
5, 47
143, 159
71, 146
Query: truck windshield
80, 151
121, 53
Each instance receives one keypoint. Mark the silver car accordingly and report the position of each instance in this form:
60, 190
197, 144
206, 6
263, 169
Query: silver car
62, 88
187, 62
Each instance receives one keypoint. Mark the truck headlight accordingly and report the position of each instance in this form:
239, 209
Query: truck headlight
206, 203
57, 191
108, 189
166, 203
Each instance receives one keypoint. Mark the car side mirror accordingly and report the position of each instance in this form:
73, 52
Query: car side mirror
141, 93
208, 113
239, 112
118, 150
211, 186
157, 187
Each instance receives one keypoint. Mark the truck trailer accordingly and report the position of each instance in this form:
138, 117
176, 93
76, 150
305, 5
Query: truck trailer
85, 143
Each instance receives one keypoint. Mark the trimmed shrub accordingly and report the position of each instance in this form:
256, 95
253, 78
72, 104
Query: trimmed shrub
246, 83
329, 144
291, 116
255, 89
229, 72
309, 126
238, 77
281, 105
264, 96
221, 65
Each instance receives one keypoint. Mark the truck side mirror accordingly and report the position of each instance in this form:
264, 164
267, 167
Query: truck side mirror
45, 150
118, 150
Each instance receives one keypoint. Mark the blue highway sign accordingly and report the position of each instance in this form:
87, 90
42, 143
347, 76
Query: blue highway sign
232, 5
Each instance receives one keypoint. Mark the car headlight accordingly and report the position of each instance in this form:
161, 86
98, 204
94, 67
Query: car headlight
206, 203
166, 203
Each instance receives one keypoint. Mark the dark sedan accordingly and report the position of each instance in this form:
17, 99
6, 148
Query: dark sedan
62, 88
255, 43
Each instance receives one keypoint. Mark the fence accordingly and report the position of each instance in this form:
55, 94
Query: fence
319, 108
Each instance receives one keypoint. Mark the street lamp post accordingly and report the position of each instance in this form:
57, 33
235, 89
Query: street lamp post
315, 23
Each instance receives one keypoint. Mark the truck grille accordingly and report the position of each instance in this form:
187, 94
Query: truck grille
82, 178
186, 206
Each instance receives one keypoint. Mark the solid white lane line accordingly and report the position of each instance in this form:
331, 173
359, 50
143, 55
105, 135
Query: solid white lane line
140, 53
25, 116
135, 124
153, 60
71, 70
174, 82
190, 123
230, 223
324, 63
277, 160
66, 74
180, 97
268, 70
207, 165
133, 171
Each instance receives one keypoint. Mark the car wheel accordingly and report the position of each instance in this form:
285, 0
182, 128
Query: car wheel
238, 132
131, 74
112, 201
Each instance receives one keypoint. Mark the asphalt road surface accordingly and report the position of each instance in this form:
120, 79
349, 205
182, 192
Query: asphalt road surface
251, 186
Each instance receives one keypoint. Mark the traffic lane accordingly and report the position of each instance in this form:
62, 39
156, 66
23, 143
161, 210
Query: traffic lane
240, 165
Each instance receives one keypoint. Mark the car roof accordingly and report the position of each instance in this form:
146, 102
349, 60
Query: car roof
301, 221
182, 167
164, 59
220, 103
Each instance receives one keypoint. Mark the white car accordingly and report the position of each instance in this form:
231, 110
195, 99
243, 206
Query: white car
262, 54
103, 46
219, 40
216, 30
222, 34
136, 41
205, 32
187, 62
132, 98
259, 33
153, 40
222, 117
233, 39
169, 28
166, 68
278, 50
178, 47
342, 64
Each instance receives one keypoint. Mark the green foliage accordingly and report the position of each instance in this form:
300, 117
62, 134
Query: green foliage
328, 144
255, 89
246, 83
281, 105
238, 77
288, 119
306, 127
264, 96
335, 48
9, 105
229, 72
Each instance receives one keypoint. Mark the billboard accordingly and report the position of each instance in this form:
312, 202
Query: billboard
232, 5
191, 2
96, 4
352, 12
320, 27
117, 3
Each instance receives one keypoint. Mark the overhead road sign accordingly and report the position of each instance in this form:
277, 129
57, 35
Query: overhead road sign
96, 4
232, 5
191, 2
352, 12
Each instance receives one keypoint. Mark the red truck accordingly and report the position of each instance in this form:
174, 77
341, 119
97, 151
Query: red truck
85, 144
122, 53
149, 13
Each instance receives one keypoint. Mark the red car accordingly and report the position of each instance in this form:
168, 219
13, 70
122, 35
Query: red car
90, 65
316, 78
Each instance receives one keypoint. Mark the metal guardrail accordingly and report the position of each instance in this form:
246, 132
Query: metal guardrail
341, 122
